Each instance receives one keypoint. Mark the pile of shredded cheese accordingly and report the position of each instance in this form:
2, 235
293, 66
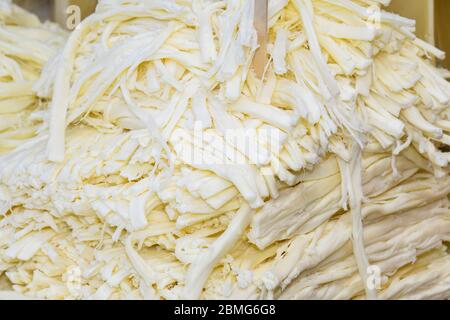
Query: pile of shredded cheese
123, 174
25, 46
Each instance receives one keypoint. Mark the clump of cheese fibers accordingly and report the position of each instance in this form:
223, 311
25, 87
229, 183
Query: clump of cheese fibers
132, 188
25, 46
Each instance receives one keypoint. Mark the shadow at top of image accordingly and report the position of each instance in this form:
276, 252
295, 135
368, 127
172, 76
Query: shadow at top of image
55, 10
432, 20
42, 8
442, 13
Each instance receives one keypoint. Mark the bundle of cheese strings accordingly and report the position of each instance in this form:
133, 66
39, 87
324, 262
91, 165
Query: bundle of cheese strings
25, 45
163, 168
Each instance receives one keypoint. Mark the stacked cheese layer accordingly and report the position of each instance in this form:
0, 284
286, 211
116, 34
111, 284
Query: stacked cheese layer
25, 45
163, 168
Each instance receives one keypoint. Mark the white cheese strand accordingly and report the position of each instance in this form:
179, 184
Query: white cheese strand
307, 19
201, 268
351, 177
